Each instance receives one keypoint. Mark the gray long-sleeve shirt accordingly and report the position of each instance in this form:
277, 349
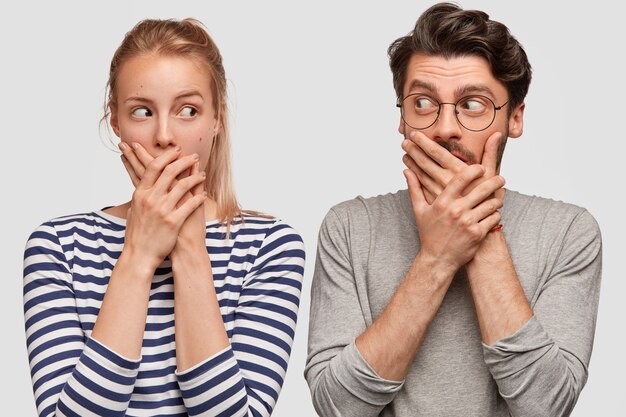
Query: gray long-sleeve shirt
365, 249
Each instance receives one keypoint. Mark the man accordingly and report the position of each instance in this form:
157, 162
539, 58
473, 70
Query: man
456, 296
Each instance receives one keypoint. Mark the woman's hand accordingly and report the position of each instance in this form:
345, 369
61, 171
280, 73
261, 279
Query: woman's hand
161, 202
192, 233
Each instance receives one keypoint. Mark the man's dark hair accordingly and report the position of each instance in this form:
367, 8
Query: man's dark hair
449, 31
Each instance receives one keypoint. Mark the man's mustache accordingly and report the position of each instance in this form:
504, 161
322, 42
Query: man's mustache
456, 147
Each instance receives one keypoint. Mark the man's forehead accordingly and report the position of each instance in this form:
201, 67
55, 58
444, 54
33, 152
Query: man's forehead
458, 75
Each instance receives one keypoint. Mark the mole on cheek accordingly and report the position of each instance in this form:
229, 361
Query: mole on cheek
200, 140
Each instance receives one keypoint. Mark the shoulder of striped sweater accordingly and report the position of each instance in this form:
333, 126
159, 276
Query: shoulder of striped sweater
261, 221
79, 220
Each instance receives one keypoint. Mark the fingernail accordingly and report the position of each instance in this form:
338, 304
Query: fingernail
195, 157
135, 145
412, 134
205, 194
197, 165
203, 174
405, 143
123, 146
178, 149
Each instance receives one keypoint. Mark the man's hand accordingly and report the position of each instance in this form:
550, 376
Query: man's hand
453, 227
434, 166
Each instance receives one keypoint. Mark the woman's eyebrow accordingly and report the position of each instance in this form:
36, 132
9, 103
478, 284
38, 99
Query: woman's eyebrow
190, 93
181, 95
139, 99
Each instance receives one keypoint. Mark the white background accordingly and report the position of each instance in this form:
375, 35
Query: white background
314, 123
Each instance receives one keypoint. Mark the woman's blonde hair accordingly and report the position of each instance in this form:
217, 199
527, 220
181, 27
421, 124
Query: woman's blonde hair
186, 38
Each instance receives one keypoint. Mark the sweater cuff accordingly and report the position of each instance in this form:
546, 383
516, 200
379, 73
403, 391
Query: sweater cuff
213, 384
358, 377
102, 383
514, 353
111, 360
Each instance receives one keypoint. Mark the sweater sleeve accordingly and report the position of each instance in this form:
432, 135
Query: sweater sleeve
340, 380
71, 374
245, 379
541, 369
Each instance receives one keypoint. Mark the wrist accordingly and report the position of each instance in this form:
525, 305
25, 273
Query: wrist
439, 268
137, 264
492, 251
189, 255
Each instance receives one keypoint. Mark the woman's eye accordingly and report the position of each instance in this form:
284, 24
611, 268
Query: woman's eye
142, 112
188, 111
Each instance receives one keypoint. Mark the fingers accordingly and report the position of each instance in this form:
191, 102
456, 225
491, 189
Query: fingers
437, 152
183, 188
427, 164
485, 209
415, 191
189, 206
425, 180
172, 171
490, 153
484, 191
200, 187
461, 181
157, 166
142, 155
130, 171
133, 162
490, 222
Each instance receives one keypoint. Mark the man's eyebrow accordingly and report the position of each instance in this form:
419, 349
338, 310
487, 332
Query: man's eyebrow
422, 84
473, 88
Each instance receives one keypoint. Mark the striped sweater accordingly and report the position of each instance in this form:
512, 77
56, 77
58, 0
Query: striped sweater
258, 279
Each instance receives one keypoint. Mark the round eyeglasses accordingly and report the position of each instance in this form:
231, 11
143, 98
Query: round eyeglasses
474, 113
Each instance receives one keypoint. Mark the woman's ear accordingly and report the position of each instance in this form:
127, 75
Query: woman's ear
218, 120
113, 121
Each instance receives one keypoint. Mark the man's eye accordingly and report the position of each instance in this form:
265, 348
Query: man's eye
473, 105
424, 103
188, 111
141, 112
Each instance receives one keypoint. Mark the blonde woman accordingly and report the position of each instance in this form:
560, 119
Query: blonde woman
177, 302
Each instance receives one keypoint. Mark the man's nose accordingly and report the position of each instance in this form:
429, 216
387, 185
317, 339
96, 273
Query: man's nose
447, 125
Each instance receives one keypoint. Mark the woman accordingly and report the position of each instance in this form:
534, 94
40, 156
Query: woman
176, 302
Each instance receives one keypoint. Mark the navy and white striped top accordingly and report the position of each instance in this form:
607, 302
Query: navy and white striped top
258, 279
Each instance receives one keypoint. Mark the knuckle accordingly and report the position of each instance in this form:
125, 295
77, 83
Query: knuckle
438, 206
455, 212
466, 222
168, 170
154, 165
475, 232
169, 223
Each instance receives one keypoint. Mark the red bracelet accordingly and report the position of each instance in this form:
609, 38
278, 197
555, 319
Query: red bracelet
496, 228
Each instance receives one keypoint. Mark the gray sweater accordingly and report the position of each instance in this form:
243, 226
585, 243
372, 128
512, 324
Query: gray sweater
365, 249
